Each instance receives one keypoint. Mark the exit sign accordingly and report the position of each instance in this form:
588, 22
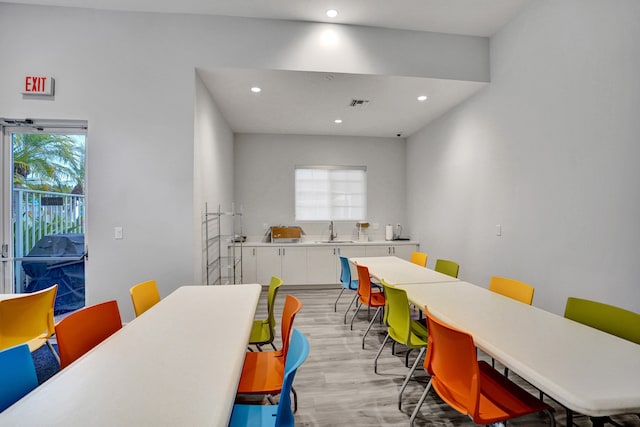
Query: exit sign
38, 85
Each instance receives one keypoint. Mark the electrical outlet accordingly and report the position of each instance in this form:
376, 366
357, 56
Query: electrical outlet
117, 233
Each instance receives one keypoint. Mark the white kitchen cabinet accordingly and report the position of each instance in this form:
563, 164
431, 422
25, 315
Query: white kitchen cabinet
321, 265
404, 251
287, 262
310, 264
401, 251
249, 265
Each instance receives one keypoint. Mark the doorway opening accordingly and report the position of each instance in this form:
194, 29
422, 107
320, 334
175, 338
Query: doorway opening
44, 209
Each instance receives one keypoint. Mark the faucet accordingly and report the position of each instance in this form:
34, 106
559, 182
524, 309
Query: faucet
331, 233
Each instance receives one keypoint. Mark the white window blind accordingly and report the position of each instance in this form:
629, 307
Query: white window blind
328, 193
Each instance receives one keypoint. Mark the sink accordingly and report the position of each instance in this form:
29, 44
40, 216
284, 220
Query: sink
335, 241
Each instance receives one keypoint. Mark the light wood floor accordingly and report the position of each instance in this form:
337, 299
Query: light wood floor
336, 385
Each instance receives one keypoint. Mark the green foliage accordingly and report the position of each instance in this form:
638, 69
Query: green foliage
47, 162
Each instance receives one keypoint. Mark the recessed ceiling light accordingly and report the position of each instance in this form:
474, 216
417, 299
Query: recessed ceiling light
338, 121
422, 98
332, 13
255, 89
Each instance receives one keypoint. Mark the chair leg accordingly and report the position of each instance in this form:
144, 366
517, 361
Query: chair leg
409, 375
355, 297
406, 357
375, 361
354, 315
295, 400
370, 324
414, 414
335, 305
273, 346
53, 351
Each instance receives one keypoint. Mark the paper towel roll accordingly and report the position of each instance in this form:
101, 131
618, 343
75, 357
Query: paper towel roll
388, 232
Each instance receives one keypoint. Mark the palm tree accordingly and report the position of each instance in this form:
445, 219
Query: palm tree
47, 162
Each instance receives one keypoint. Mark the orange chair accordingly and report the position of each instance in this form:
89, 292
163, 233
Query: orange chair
144, 295
263, 372
419, 258
367, 297
469, 386
86, 328
28, 319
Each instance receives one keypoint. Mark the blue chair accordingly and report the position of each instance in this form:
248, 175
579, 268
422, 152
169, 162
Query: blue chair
347, 283
17, 375
280, 415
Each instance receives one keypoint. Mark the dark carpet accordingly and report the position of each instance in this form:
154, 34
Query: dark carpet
46, 365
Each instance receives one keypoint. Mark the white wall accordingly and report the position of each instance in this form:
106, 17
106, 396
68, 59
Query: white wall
212, 165
131, 76
264, 178
550, 151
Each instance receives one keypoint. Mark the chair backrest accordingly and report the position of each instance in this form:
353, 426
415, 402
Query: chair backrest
345, 274
298, 352
452, 362
364, 283
144, 295
82, 330
607, 318
275, 284
512, 288
17, 375
445, 266
397, 312
26, 317
292, 306
419, 258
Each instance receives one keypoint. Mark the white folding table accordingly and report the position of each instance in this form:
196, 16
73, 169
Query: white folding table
586, 370
178, 364
397, 271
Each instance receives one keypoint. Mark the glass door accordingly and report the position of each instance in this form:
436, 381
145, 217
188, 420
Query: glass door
43, 209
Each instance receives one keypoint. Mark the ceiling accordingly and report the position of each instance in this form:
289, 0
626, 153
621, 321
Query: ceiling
308, 102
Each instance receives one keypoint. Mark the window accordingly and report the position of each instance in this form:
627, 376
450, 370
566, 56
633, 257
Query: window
327, 193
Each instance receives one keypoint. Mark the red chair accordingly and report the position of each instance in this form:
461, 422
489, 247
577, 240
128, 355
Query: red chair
469, 386
263, 372
84, 329
366, 296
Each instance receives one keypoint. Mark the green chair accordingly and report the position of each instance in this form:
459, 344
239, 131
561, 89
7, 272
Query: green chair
607, 318
447, 267
402, 329
263, 331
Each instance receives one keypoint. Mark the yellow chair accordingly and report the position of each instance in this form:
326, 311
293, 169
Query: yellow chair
144, 296
512, 288
419, 258
450, 268
28, 319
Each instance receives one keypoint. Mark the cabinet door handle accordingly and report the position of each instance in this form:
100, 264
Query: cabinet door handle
282, 251
254, 251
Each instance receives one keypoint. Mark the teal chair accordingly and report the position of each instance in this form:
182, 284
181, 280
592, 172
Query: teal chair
279, 415
17, 375
347, 283
607, 318
450, 268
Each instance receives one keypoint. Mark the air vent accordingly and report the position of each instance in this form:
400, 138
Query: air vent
359, 103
